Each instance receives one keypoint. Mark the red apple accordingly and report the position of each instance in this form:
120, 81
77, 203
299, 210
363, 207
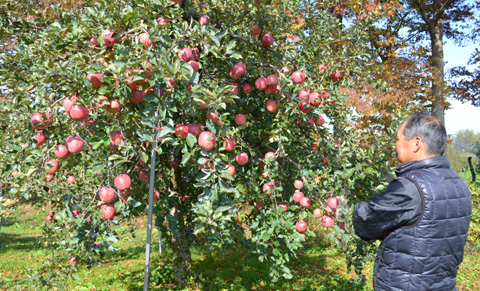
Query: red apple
327, 221
194, 129
51, 166
194, 65
329, 210
207, 140
156, 195
322, 67
301, 226
106, 194
304, 94
122, 182
242, 158
162, 20
272, 80
315, 99
204, 20
298, 184
255, 30
267, 188
319, 121
143, 176
181, 131
240, 120
185, 54
68, 102
95, 79
238, 70
271, 89
116, 137
109, 41
71, 180
137, 96
93, 42
49, 218
270, 154
235, 89
41, 139
196, 53
79, 113
212, 116
284, 206
261, 84
297, 196
305, 106
272, 105
49, 177
145, 39
74, 144
334, 76
332, 202
108, 212
229, 144
341, 225
305, 202
266, 40
73, 260
317, 212
38, 121
258, 204
315, 145
246, 88
231, 170
298, 77
115, 106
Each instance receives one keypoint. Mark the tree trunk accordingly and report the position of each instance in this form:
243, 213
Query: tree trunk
436, 37
182, 258
472, 170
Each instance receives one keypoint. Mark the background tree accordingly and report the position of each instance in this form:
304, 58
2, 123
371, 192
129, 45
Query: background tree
436, 20
465, 80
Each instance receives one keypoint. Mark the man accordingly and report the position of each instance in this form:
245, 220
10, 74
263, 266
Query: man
422, 217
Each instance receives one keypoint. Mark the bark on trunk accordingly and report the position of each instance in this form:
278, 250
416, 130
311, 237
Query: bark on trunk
436, 37
182, 258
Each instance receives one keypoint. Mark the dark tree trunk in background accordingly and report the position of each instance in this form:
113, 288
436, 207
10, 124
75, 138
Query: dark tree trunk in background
436, 36
472, 170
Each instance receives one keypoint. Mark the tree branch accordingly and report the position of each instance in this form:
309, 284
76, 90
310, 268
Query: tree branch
441, 10
423, 14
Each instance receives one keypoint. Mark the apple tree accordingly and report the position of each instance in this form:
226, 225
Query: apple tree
241, 101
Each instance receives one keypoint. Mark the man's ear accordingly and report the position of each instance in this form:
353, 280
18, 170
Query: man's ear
417, 144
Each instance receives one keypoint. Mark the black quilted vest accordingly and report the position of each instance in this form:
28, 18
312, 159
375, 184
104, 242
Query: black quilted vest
426, 255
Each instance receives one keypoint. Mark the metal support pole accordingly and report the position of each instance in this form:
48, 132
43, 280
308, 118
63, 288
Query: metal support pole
150, 214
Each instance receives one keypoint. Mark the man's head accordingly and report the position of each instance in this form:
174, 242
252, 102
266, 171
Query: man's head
420, 136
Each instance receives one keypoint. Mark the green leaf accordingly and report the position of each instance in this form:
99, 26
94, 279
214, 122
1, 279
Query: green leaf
191, 140
144, 136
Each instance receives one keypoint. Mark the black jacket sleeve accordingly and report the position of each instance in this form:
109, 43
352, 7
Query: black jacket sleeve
398, 205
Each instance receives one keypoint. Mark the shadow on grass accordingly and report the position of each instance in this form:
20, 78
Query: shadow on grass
237, 270
16, 242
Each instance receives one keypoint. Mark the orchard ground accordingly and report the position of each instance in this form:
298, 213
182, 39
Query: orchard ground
320, 266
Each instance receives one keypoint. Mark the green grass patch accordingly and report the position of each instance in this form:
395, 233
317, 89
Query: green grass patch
319, 267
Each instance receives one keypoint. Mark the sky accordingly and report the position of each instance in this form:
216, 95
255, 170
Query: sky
460, 116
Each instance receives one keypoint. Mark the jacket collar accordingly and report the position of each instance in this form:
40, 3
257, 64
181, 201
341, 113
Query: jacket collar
434, 162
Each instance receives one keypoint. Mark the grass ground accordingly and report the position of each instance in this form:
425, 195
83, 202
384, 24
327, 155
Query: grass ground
318, 268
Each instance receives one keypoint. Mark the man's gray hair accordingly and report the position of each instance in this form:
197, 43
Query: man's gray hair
429, 129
